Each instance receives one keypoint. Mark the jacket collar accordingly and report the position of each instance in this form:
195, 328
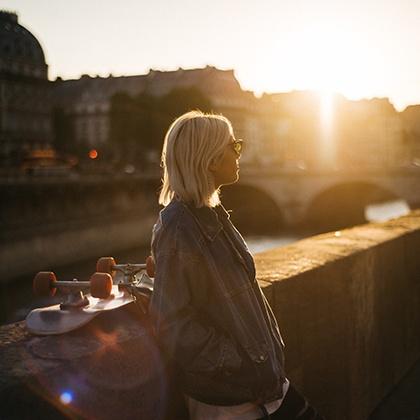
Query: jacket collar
208, 219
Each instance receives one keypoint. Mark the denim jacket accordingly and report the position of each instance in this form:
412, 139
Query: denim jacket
210, 314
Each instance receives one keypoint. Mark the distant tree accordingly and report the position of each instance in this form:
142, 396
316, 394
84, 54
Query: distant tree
122, 125
172, 105
146, 121
63, 133
181, 100
138, 124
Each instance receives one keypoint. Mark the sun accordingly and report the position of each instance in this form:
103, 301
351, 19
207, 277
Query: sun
320, 57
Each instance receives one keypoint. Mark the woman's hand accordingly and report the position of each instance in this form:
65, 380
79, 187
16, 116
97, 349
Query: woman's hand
150, 266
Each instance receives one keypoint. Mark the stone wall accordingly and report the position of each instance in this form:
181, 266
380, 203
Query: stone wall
348, 305
109, 369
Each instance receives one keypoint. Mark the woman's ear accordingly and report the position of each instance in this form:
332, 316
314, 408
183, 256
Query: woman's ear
214, 166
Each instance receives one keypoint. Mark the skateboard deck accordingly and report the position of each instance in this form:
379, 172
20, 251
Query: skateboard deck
120, 285
54, 320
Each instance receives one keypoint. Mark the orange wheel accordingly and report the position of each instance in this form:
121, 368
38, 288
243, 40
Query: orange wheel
43, 283
150, 266
100, 285
105, 265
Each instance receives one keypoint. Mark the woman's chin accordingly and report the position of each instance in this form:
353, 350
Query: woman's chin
231, 181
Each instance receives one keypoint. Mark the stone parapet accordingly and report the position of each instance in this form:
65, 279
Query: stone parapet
348, 306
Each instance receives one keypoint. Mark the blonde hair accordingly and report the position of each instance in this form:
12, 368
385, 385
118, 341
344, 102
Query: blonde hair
194, 141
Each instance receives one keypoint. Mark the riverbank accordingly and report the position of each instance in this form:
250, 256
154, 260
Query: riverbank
56, 248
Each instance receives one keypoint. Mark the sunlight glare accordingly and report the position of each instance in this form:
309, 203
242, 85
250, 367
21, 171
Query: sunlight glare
326, 111
319, 56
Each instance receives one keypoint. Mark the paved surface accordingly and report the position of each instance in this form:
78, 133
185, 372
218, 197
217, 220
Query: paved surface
404, 402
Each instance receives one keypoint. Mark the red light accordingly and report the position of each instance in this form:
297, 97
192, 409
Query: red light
93, 154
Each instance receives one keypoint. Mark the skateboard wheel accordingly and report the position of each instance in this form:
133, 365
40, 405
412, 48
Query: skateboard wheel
100, 285
105, 265
43, 283
150, 266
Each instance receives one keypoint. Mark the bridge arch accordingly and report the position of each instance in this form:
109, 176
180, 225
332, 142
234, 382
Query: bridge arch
343, 204
254, 211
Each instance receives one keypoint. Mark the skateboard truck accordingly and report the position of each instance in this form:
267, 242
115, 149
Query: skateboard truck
129, 271
140, 287
74, 300
45, 283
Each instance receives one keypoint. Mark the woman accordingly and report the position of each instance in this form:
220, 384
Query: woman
211, 317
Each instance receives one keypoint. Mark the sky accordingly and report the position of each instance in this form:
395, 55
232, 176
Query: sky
367, 48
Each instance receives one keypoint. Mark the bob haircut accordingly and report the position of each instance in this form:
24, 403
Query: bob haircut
194, 141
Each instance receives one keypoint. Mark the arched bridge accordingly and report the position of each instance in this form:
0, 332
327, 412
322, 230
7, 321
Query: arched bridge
327, 196
263, 200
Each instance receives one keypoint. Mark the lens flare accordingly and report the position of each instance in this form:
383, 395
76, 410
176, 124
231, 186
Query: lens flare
66, 397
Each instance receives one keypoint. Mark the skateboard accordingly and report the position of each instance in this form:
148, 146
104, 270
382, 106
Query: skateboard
77, 308
124, 284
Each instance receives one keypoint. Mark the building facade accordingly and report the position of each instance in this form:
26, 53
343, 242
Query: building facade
87, 101
369, 135
281, 130
411, 125
25, 92
364, 134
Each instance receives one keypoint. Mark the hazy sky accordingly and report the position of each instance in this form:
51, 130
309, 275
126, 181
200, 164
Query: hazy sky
359, 48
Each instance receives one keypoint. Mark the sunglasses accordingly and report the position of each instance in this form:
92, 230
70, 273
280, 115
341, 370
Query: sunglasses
237, 146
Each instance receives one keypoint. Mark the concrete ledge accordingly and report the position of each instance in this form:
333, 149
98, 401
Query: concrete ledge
348, 305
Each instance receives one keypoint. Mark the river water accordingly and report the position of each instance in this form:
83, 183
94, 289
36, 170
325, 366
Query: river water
16, 298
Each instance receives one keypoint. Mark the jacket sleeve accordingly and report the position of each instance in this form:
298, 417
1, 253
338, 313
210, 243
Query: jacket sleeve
184, 333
